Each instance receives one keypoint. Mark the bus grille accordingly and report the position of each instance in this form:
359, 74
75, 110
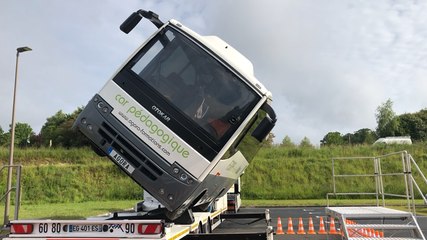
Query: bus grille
134, 156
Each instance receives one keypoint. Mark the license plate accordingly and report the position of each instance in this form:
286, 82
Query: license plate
73, 229
121, 161
85, 228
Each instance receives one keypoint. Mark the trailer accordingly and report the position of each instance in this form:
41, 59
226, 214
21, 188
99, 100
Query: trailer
123, 225
138, 224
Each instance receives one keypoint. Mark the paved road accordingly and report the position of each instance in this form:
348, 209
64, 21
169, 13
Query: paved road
248, 225
294, 213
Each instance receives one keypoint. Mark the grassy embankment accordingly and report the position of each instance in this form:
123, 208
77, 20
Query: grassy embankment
280, 173
289, 176
75, 175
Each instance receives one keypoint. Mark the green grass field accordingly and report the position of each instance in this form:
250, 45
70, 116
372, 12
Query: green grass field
62, 179
79, 175
69, 210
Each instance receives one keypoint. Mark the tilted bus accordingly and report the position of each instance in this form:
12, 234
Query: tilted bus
183, 116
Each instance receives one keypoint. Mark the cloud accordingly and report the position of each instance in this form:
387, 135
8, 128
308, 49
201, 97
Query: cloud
328, 65
72, 55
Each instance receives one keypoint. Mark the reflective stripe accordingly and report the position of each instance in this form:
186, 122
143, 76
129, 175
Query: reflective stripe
149, 228
21, 228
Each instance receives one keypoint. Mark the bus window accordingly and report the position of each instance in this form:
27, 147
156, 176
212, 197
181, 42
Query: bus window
198, 85
246, 143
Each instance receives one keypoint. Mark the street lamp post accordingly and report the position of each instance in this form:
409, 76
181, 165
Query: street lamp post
12, 139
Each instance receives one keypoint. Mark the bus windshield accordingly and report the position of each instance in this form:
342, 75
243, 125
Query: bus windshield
193, 81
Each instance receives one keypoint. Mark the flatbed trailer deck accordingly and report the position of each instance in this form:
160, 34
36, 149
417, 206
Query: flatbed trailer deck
110, 229
204, 227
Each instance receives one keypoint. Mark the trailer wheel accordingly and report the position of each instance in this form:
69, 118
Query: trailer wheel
209, 226
200, 228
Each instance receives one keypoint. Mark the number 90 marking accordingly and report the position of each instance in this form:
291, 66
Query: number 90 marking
130, 228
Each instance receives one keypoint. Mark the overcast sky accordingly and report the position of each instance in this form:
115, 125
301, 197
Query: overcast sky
329, 64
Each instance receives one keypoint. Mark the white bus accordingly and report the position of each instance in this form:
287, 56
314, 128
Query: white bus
183, 116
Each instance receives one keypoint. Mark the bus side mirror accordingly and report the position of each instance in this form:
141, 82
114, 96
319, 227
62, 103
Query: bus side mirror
263, 129
130, 22
135, 17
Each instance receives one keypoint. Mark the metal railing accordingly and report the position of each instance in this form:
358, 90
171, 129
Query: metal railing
15, 187
422, 176
405, 171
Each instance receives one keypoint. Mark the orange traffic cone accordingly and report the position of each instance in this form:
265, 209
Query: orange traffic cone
290, 227
365, 232
322, 227
310, 226
279, 226
350, 232
300, 226
332, 229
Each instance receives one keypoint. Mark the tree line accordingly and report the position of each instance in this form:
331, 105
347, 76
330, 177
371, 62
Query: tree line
57, 131
388, 124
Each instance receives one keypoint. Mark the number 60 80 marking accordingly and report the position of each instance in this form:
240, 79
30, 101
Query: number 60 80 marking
56, 227
43, 227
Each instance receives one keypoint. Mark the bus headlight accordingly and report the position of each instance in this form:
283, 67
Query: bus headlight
100, 105
183, 177
103, 106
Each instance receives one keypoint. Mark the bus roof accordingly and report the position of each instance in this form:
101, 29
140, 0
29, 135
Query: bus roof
230, 55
